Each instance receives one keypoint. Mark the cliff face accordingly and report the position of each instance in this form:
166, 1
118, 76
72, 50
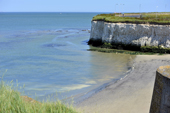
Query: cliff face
127, 33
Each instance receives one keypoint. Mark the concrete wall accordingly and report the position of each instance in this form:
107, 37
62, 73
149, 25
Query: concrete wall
127, 33
161, 93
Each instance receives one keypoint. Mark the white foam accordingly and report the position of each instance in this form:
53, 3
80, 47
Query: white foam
74, 87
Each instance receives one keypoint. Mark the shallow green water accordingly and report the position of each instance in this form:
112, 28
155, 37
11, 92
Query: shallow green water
48, 53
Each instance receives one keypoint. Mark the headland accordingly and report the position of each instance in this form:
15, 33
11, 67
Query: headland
147, 32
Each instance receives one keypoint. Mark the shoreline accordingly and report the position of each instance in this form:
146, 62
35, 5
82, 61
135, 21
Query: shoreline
96, 89
79, 98
131, 94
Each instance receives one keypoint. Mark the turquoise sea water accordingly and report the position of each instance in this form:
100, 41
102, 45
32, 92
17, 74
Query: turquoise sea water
47, 52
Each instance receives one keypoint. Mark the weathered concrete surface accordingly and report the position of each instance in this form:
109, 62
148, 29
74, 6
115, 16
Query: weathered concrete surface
161, 94
127, 33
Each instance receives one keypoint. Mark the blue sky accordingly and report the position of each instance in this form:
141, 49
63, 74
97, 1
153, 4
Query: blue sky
84, 5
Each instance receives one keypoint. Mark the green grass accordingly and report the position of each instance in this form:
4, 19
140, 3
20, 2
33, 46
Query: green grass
145, 18
12, 102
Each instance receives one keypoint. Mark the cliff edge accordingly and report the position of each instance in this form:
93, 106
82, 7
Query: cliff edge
128, 33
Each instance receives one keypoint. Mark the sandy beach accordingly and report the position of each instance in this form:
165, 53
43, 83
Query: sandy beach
132, 94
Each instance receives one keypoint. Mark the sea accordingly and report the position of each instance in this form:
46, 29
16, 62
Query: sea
45, 55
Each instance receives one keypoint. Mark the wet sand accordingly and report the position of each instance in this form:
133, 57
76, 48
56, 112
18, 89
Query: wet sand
132, 94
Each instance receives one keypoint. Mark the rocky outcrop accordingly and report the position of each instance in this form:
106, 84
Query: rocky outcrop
135, 34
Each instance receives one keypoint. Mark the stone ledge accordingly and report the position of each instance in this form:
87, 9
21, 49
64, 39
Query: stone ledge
164, 70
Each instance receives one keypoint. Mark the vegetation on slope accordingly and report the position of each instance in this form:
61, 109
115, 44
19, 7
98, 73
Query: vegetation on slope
143, 18
12, 102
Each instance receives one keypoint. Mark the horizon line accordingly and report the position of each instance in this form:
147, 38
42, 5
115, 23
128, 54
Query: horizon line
68, 12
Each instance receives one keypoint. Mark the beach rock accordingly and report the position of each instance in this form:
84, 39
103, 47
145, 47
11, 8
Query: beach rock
135, 34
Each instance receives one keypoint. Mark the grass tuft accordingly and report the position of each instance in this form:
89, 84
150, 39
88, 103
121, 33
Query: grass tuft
12, 102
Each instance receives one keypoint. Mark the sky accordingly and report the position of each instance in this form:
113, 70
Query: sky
84, 5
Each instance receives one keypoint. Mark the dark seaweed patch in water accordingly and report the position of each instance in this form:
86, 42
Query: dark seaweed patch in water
59, 31
54, 45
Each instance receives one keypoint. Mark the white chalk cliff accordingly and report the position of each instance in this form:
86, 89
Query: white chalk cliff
127, 33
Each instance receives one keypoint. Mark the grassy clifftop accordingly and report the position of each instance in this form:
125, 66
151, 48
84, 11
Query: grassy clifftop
143, 18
